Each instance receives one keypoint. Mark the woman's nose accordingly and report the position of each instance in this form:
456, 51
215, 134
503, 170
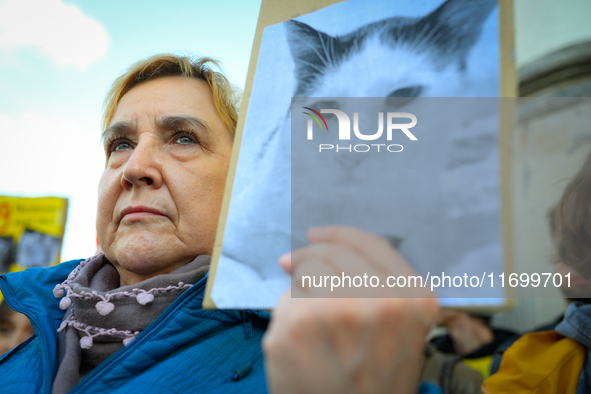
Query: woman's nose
143, 168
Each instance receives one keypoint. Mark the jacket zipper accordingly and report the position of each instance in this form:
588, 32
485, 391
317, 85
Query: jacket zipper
246, 324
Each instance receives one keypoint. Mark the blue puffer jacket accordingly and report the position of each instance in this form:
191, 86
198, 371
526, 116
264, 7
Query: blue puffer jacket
185, 348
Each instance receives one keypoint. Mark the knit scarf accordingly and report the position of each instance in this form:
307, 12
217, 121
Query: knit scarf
102, 317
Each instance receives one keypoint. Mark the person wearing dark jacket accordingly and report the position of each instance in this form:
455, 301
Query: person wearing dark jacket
15, 328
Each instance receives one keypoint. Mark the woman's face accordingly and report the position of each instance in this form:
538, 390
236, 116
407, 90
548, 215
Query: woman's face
160, 194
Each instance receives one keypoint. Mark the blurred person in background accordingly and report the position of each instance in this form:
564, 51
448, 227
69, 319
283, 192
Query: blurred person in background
471, 338
557, 360
15, 328
578, 289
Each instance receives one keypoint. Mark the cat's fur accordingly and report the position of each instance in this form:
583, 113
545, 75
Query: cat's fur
394, 57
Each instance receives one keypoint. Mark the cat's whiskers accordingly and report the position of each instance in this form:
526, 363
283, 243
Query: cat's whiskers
331, 42
315, 51
310, 64
421, 35
424, 41
324, 48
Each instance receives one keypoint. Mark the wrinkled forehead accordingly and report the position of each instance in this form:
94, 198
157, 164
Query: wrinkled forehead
162, 96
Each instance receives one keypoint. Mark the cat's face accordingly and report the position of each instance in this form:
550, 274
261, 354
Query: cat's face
397, 59
394, 57
399, 72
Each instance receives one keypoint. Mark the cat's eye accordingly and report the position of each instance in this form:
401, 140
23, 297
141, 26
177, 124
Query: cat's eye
403, 96
409, 91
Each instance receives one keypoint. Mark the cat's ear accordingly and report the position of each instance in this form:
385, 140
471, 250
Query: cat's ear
311, 51
456, 25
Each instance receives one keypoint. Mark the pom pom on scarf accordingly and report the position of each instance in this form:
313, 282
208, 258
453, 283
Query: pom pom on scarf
58, 291
65, 303
86, 342
104, 307
144, 298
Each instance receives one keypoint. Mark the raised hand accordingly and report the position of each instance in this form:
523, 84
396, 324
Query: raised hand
348, 345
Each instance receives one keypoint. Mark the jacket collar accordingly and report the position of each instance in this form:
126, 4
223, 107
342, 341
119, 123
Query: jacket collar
577, 323
31, 292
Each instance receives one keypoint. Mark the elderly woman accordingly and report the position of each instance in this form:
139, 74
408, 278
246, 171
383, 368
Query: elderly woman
130, 320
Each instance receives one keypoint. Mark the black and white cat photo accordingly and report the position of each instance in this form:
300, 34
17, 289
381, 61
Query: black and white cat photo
396, 50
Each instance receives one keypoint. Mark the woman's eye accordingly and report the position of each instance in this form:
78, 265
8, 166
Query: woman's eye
121, 145
184, 139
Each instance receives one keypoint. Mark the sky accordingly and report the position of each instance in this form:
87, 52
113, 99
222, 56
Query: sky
57, 61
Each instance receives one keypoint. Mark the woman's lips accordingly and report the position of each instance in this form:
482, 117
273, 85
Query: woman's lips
139, 212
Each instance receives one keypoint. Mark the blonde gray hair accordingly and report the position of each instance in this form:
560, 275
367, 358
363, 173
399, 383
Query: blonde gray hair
226, 97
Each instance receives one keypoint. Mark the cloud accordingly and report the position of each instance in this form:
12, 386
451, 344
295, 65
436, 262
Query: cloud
55, 156
61, 31
38, 151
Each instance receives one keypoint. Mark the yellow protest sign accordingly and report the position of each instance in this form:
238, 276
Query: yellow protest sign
31, 231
